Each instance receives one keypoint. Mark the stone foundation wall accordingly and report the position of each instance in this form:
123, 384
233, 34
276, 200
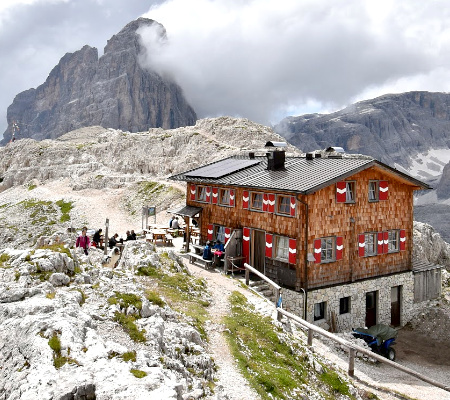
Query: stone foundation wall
293, 301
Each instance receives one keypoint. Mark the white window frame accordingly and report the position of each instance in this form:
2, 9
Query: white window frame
219, 233
393, 240
281, 248
350, 191
328, 246
252, 195
371, 244
201, 194
374, 191
280, 197
227, 196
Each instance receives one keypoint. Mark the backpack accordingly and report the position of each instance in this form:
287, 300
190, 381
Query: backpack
207, 255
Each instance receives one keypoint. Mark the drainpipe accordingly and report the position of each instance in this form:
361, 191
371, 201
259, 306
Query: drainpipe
305, 277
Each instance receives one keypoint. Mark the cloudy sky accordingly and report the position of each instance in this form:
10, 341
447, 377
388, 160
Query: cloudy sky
260, 59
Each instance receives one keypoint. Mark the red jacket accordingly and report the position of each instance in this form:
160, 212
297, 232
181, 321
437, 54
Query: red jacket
83, 241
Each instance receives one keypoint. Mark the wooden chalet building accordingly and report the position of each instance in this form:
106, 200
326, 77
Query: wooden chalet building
334, 230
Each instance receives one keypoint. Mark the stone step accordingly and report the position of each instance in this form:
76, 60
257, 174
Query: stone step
255, 283
262, 287
267, 292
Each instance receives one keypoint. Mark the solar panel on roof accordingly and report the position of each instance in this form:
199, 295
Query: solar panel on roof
222, 168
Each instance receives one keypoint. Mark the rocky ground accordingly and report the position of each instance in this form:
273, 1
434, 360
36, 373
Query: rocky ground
50, 296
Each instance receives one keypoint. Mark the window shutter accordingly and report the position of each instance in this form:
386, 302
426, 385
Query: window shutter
271, 205
193, 191
318, 251
245, 199
292, 251
361, 245
227, 234
383, 190
380, 241
269, 239
246, 244
215, 195
265, 202
293, 203
341, 192
232, 192
339, 247
385, 242
210, 232
208, 194
402, 239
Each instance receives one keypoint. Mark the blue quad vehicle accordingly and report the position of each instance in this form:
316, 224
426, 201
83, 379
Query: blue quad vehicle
380, 338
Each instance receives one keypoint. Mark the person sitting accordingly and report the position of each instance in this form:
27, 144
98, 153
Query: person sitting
113, 240
133, 235
96, 238
175, 224
218, 246
129, 237
207, 254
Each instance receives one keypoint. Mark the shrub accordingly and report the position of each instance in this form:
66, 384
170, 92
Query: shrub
138, 373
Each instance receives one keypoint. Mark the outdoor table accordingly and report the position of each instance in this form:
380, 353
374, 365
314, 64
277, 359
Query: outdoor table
159, 234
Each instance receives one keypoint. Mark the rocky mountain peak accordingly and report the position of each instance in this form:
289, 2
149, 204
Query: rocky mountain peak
113, 91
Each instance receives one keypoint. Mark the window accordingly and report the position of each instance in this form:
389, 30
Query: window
256, 201
393, 241
282, 248
224, 197
283, 205
371, 244
219, 233
373, 190
201, 193
328, 249
350, 192
319, 310
344, 305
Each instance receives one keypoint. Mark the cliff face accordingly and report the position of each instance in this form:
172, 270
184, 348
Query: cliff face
443, 188
392, 128
113, 91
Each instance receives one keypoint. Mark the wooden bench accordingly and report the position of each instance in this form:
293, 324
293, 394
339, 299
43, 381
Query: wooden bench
193, 257
198, 249
169, 239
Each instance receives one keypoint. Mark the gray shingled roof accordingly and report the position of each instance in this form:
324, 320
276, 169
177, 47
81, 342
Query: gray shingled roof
300, 176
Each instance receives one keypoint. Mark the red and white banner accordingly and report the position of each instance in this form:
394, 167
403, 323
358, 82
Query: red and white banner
227, 234
318, 251
215, 195
232, 194
271, 203
362, 245
245, 199
293, 202
339, 247
269, 239
292, 251
402, 239
210, 232
193, 191
208, 194
380, 243
341, 192
246, 244
383, 190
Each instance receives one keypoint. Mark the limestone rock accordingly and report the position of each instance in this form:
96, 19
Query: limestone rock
113, 91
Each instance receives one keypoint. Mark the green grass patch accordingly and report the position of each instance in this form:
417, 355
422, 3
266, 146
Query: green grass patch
129, 356
271, 366
138, 373
59, 248
128, 323
65, 208
336, 384
154, 298
4, 258
124, 300
55, 343
32, 186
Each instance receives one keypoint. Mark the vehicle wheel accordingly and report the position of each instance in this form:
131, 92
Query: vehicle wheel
390, 354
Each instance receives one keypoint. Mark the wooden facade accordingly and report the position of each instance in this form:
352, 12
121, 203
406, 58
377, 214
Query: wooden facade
316, 216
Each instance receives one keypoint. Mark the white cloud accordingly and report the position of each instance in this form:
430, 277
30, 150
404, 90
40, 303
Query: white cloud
263, 58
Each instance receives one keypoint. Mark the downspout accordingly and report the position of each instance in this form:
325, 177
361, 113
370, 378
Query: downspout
305, 273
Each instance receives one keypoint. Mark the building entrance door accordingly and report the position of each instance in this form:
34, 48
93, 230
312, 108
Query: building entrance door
395, 305
258, 250
371, 308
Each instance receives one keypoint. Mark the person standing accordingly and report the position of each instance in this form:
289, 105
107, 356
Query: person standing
83, 241
97, 237
175, 224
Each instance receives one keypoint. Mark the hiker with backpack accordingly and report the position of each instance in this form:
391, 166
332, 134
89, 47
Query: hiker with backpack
83, 241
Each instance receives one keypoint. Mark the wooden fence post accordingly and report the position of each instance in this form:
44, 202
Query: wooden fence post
247, 276
310, 337
105, 242
351, 362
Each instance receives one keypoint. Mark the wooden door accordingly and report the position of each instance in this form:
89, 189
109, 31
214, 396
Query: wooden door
371, 308
258, 250
395, 305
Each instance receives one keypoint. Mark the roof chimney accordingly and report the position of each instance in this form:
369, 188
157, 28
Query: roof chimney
275, 156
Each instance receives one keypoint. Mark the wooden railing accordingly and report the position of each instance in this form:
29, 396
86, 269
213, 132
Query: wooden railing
249, 268
352, 348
